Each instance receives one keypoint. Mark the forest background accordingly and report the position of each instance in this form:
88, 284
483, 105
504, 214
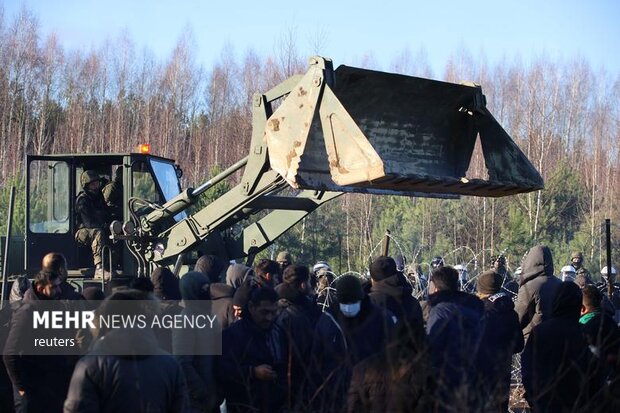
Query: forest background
562, 113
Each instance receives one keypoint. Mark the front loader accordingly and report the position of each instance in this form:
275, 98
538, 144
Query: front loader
314, 137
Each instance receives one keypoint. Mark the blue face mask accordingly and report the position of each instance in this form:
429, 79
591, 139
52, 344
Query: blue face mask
351, 310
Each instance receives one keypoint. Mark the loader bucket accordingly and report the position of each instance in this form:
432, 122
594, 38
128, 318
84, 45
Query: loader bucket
386, 133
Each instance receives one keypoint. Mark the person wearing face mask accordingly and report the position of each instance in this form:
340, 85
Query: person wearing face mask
349, 331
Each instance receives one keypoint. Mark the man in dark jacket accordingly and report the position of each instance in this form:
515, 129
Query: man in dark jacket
252, 368
57, 263
166, 289
348, 332
298, 317
600, 329
92, 217
399, 379
390, 290
221, 294
501, 338
556, 364
189, 345
537, 289
40, 382
149, 380
454, 331
294, 296
222, 303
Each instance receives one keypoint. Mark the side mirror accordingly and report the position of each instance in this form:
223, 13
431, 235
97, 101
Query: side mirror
178, 170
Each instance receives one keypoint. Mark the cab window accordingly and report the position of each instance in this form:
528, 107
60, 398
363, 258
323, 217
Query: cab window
143, 184
49, 197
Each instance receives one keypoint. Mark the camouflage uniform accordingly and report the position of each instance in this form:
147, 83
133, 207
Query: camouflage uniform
113, 194
92, 216
582, 275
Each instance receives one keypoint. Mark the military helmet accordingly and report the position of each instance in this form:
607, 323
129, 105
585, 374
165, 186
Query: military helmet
88, 176
576, 254
284, 256
613, 270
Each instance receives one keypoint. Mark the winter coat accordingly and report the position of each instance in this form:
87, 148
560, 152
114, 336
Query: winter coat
297, 318
399, 379
537, 289
395, 295
44, 378
339, 344
603, 335
190, 345
222, 303
454, 332
106, 383
68, 292
297, 306
91, 210
556, 365
501, 338
165, 284
245, 346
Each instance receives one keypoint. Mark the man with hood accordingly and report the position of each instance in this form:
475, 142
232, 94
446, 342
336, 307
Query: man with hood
556, 365
284, 259
212, 266
92, 217
501, 338
189, 345
351, 330
537, 289
237, 274
390, 290
454, 331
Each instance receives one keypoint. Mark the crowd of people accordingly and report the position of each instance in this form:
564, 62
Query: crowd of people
301, 339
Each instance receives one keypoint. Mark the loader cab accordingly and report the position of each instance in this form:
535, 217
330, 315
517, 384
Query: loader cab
53, 184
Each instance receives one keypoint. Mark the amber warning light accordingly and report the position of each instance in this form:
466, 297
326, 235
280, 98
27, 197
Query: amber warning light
145, 148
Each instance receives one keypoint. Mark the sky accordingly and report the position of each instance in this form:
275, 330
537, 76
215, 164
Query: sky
344, 30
